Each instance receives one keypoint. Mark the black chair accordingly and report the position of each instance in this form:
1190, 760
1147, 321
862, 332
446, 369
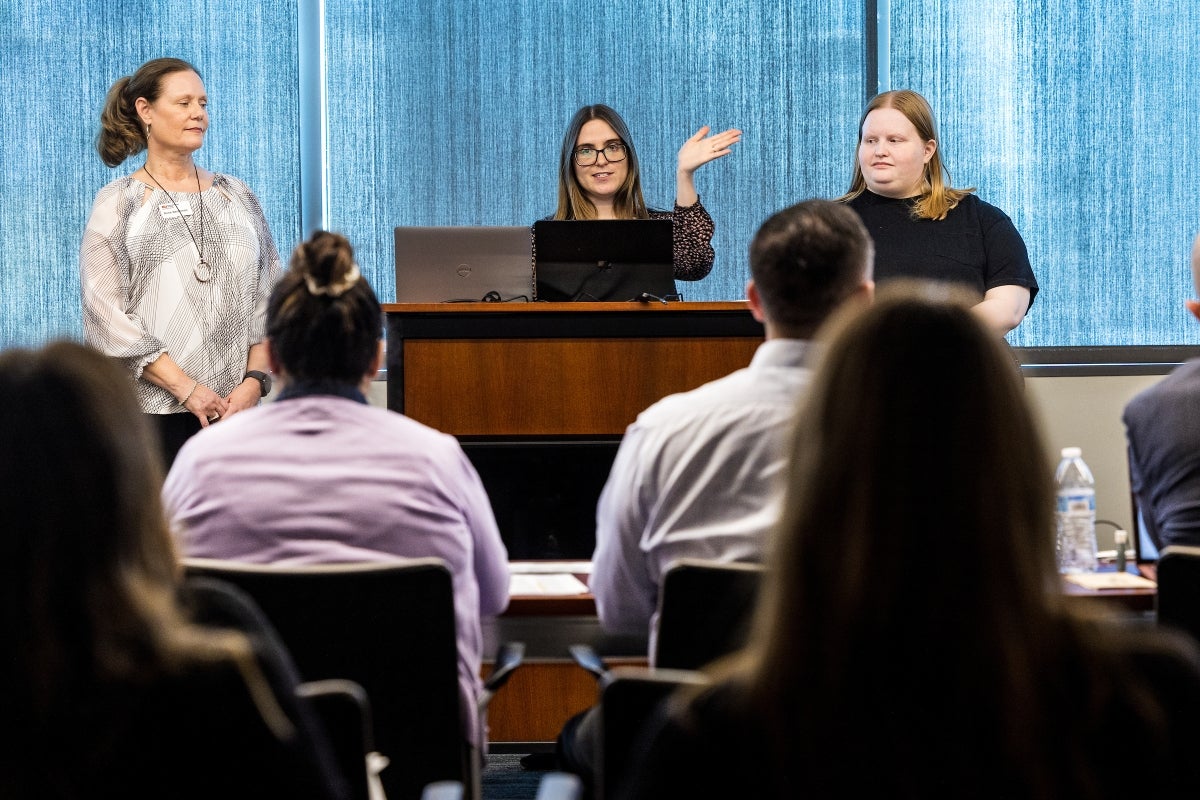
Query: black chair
340, 706
1179, 588
345, 711
704, 610
389, 627
628, 699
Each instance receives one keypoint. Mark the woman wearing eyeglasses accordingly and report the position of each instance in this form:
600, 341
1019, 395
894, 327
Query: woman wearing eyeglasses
599, 179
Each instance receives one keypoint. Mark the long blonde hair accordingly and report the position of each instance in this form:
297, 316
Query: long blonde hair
937, 197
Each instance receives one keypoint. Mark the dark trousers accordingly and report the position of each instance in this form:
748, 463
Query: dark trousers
577, 745
173, 431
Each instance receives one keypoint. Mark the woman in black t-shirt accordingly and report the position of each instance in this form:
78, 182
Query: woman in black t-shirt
922, 227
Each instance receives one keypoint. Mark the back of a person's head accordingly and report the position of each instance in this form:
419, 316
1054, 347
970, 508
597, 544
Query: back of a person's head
917, 446
323, 320
85, 550
806, 260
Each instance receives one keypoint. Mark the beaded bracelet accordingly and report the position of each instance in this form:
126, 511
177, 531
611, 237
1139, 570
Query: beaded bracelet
188, 396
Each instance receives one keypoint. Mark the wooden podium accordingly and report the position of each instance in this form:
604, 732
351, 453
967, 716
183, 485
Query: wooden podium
540, 394
520, 370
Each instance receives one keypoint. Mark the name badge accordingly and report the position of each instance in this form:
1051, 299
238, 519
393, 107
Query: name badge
173, 210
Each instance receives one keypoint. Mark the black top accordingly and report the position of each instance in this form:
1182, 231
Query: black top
1130, 731
975, 245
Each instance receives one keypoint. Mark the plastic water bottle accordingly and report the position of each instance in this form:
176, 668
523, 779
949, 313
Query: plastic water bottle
1076, 514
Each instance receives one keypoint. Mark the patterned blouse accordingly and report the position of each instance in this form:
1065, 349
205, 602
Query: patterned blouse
142, 293
693, 240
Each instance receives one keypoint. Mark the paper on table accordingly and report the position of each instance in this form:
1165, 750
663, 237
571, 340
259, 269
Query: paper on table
544, 567
546, 585
1110, 580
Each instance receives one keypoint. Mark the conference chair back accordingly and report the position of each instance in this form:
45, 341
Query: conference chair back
340, 706
704, 611
386, 626
1179, 588
629, 698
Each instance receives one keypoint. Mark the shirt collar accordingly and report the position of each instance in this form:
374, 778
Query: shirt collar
295, 389
783, 353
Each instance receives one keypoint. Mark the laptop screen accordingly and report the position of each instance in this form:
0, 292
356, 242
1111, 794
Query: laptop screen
605, 260
1143, 545
469, 263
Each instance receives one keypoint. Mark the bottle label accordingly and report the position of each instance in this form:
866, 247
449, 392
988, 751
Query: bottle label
1077, 501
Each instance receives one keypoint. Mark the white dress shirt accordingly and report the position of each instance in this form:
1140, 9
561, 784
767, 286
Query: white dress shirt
698, 475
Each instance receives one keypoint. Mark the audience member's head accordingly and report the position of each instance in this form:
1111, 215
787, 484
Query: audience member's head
915, 454
324, 323
89, 570
805, 261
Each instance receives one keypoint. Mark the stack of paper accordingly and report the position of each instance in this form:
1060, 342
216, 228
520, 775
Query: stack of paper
1110, 580
549, 585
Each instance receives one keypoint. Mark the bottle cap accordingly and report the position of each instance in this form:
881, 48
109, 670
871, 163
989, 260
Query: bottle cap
1071, 452
1120, 536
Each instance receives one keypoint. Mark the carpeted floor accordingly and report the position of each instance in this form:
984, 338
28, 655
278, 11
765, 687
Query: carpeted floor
505, 779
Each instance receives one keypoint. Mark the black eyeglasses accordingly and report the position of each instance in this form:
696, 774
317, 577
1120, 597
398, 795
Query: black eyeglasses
586, 156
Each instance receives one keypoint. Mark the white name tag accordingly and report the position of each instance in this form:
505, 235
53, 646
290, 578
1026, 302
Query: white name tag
173, 210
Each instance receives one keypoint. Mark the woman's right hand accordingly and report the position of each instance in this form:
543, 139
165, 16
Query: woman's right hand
206, 405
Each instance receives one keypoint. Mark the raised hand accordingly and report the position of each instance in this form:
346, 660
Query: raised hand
702, 148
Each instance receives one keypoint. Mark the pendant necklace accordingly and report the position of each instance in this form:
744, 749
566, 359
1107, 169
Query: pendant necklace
203, 271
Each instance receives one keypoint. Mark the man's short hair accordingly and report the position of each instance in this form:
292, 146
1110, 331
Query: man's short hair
805, 260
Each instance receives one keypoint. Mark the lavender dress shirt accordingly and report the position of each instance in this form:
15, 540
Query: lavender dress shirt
323, 479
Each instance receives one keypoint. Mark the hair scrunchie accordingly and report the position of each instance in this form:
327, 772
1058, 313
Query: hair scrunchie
334, 289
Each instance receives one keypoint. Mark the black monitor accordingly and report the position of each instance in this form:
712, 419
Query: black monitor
544, 493
612, 260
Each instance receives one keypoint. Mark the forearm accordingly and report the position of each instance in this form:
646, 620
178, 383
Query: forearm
693, 251
685, 188
165, 373
1003, 308
257, 359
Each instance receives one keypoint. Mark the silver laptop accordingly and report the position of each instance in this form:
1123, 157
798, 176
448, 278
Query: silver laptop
468, 263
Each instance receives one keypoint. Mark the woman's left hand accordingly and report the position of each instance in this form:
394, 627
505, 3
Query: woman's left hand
245, 395
702, 148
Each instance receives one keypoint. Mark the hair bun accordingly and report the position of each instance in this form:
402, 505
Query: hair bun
327, 263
